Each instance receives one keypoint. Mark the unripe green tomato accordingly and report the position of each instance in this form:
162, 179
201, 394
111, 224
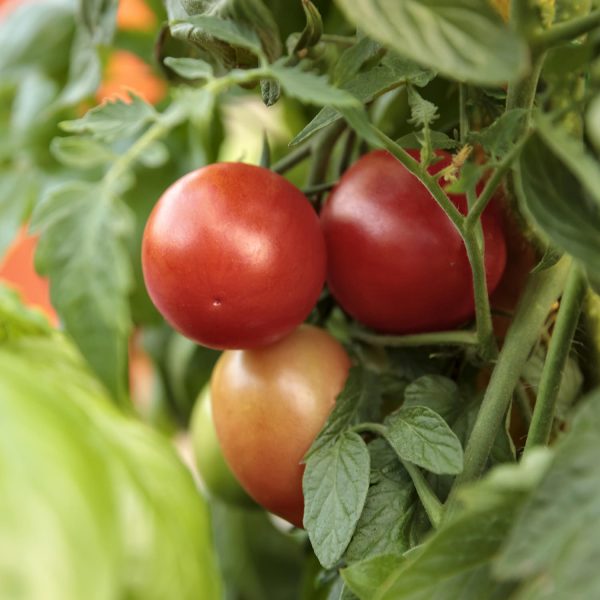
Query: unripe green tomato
214, 471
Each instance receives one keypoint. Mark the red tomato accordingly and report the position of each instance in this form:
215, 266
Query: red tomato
395, 261
233, 256
269, 404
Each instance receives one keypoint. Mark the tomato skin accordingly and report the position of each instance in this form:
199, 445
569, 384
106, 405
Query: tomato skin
269, 404
395, 261
212, 468
233, 256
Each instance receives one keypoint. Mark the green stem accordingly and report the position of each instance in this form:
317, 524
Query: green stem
564, 32
558, 352
541, 292
430, 181
494, 181
431, 503
290, 160
459, 337
318, 188
321, 154
521, 93
483, 314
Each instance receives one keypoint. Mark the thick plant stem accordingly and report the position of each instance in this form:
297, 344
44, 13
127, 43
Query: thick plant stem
564, 32
521, 94
558, 352
541, 292
433, 507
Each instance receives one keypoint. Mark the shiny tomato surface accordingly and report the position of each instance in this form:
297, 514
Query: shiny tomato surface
269, 404
233, 256
395, 261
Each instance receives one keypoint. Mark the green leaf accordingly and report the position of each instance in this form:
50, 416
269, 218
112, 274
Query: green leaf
384, 525
437, 392
308, 87
498, 139
236, 34
17, 195
114, 120
367, 85
81, 152
311, 34
355, 403
85, 71
99, 17
423, 112
462, 39
554, 542
44, 37
415, 140
190, 68
335, 485
364, 576
86, 492
560, 187
353, 58
422, 437
81, 249
455, 562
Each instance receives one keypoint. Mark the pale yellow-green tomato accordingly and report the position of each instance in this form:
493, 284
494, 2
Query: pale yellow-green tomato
212, 468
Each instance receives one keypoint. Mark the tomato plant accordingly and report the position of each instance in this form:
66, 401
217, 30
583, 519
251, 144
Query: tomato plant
269, 404
212, 468
427, 203
395, 261
233, 256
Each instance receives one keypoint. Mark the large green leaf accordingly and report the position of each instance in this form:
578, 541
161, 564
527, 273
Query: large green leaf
560, 187
335, 488
92, 504
81, 249
463, 39
554, 543
421, 436
385, 523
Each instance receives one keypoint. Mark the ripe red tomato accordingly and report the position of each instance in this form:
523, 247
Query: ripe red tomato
269, 404
395, 261
233, 256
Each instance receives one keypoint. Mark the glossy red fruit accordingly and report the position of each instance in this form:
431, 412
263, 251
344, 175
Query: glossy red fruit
395, 261
269, 404
233, 256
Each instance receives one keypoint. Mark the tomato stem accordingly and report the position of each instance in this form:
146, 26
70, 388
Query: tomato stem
564, 32
483, 314
459, 337
542, 290
463, 116
558, 352
289, 161
433, 507
493, 182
